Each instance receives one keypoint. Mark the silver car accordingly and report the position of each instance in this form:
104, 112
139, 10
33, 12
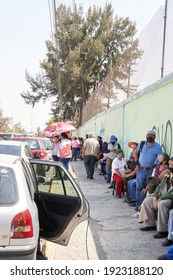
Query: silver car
37, 199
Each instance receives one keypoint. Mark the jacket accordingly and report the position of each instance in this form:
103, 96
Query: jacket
168, 178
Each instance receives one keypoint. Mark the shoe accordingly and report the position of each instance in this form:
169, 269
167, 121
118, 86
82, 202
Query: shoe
160, 235
101, 173
136, 215
166, 243
162, 257
91, 178
110, 187
118, 196
148, 228
88, 176
108, 181
40, 256
132, 204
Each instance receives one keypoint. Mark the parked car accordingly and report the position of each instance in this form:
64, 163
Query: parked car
15, 148
37, 199
36, 144
48, 145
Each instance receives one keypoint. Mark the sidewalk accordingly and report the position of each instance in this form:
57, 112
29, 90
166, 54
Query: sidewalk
112, 233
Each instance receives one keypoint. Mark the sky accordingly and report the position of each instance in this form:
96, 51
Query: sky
24, 28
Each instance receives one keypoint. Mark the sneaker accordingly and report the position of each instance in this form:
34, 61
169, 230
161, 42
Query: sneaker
160, 235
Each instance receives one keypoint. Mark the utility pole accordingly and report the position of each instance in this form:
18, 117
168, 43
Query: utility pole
57, 57
164, 38
110, 84
130, 65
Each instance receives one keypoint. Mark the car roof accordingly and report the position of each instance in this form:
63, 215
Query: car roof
26, 138
8, 159
12, 143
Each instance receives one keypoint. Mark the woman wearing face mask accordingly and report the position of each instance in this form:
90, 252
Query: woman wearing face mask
118, 169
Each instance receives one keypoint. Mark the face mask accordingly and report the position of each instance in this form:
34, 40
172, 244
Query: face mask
113, 143
120, 157
133, 146
150, 139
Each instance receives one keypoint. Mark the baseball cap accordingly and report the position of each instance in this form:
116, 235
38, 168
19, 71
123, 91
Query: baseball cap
152, 132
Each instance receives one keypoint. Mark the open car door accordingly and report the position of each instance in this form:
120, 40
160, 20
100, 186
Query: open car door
60, 201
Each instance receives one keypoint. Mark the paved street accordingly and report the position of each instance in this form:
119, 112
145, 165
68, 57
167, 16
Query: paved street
112, 233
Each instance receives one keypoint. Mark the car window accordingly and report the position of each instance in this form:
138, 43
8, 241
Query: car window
54, 180
33, 144
8, 186
10, 150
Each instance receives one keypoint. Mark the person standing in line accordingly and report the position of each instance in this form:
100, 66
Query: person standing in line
65, 150
91, 153
55, 149
146, 158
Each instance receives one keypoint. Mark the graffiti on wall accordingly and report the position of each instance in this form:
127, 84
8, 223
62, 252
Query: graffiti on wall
164, 137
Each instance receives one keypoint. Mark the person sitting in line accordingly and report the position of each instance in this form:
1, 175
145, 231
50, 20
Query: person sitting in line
130, 175
169, 239
153, 181
130, 180
160, 202
102, 159
118, 169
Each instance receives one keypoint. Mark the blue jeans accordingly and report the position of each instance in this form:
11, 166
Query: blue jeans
141, 182
131, 185
66, 162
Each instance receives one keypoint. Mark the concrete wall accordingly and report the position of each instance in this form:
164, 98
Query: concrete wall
151, 108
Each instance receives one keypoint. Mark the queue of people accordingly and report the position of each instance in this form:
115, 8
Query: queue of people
146, 177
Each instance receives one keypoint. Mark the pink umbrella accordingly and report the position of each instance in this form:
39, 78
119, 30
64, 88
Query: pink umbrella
59, 126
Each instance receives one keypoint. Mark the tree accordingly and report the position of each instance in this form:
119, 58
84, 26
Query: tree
87, 46
4, 122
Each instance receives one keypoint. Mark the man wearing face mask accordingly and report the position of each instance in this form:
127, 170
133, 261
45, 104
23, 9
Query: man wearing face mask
146, 158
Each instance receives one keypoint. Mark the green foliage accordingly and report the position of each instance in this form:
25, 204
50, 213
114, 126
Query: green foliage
87, 45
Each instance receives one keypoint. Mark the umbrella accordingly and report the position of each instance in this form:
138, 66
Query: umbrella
59, 126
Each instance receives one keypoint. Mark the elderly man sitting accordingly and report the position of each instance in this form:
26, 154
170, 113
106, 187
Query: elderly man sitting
160, 203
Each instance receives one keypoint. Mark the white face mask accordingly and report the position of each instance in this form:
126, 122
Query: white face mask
160, 158
120, 156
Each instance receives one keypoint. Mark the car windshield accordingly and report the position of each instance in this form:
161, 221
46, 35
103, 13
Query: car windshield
10, 150
47, 143
8, 193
